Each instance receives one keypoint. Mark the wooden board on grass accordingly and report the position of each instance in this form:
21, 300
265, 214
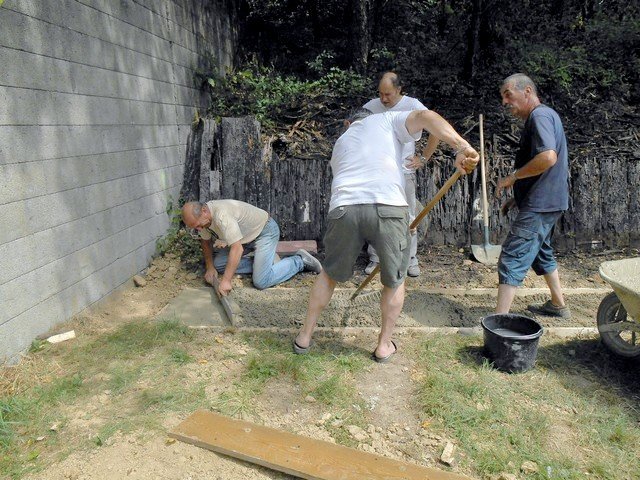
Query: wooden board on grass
297, 455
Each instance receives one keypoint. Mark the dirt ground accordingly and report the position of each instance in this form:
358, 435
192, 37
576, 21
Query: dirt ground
393, 427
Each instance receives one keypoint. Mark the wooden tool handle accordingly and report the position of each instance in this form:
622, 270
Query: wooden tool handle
429, 206
445, 188
483, 176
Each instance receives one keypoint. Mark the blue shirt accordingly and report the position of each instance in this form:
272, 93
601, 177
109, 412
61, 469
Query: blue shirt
549, 191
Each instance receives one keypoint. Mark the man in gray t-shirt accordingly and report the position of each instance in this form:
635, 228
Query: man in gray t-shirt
540, 184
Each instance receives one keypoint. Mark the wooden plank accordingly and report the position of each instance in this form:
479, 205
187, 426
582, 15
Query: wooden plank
285, 248
293, 454
231, 308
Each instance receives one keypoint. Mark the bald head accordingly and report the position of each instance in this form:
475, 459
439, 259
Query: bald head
389, 89
196, 215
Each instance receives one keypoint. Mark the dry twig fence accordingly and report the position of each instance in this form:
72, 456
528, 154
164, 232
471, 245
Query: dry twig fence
230, 159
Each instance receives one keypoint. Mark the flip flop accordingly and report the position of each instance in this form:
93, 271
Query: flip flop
378, 359
298, 350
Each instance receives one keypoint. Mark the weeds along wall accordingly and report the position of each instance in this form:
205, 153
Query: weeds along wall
96, 99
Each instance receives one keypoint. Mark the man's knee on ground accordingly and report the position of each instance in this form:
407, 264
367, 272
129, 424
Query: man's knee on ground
260, 284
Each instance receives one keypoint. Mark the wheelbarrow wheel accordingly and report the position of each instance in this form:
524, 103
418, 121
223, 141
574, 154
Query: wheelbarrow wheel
624, 343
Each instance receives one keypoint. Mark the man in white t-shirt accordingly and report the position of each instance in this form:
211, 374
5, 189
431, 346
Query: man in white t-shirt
236, 226
392, 100
368, 204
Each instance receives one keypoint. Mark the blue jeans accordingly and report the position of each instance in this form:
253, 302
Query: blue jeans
265, 273
528, 245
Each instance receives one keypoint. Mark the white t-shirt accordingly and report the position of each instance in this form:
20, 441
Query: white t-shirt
233, 220
405, 104
366, 161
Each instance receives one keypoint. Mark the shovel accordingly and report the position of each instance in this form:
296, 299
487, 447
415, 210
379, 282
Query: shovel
485, 253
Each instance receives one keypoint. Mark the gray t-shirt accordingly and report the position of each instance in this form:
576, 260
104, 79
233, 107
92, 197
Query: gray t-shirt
548, 192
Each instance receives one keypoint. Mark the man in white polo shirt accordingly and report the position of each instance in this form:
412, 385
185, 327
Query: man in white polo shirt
391, 99
236, 226
368, 204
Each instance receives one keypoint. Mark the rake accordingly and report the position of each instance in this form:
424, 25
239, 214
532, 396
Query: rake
370, 296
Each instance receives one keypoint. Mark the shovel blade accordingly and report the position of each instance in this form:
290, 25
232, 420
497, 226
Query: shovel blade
487, 253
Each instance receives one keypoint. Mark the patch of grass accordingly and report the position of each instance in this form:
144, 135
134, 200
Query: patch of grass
64, 389
261, 368
333, 391
115, 361
13, 412
239, 400
135, 339
502, 420
106, 432
180, 356
38, 345
122, 377
351, 363
327, 377
172, 398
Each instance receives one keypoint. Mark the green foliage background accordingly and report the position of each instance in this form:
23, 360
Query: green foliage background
583, 54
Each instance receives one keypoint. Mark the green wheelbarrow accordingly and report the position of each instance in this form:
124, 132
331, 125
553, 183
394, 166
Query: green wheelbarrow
619, 311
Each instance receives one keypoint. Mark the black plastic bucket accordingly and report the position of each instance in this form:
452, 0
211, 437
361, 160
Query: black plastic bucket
511, 341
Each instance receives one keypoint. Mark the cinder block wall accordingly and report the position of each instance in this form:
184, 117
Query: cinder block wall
96, 99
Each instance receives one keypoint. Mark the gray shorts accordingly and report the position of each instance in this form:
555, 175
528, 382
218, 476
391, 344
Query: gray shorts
383, 226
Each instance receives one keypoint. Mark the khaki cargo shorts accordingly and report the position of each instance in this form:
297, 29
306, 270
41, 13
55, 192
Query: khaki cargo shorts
385, 227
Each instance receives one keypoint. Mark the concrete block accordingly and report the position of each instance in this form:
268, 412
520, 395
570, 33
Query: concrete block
30, 143
186, 76
142, 113
159, 7
48, 211
13, 218
18, 257
78, 17
76, 172
16, 335
196, 307
42, 247
34, 107
133, 14
32, 70
21, 181
28, 34
13, 295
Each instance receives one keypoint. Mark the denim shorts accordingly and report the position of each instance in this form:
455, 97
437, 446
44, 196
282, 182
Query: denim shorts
385, 227
528, 245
